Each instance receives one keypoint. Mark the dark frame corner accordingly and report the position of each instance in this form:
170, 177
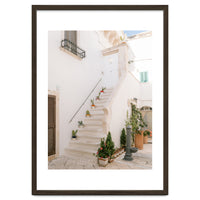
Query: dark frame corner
35, 8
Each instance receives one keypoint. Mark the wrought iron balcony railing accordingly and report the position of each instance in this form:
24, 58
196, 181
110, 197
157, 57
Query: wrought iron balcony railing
73, 48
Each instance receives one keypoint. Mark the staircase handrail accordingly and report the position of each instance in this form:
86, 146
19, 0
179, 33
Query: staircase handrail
85, 100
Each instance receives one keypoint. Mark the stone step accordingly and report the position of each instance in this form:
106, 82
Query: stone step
104, 98
96, 109
106, 94
93, 123
91, 128
93, 117
100, 104
91, 136
97, 112
101, 101
107, 91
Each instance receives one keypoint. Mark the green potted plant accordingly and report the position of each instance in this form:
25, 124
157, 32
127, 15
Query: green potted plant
88, 113
146, 133
98, 97
92, 104
110, 146
102, 154
123, 139
74, 132
137, 123
102, 90
81, 124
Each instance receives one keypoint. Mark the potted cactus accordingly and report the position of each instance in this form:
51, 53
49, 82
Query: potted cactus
88, 113
98, 97
93, 105
81, 124
74, 132
102, 90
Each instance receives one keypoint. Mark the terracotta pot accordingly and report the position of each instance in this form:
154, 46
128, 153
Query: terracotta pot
145, 139
103, 161
139, 141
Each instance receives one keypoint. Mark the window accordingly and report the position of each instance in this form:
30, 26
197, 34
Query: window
143, 77
71, 36
70, 43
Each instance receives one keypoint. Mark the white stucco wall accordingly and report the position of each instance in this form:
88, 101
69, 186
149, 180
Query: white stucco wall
141, 53
129, 89
73, 78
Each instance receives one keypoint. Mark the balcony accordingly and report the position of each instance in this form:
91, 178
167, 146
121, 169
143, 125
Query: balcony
73, 48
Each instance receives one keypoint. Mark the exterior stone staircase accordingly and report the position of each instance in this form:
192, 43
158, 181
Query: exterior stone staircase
89, 137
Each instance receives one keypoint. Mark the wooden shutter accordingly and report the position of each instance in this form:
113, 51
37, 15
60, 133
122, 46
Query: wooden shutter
51, 126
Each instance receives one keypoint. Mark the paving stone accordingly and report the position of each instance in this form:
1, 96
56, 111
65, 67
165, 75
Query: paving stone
141, 160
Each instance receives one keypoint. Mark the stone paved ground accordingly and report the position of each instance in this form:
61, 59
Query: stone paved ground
141, 160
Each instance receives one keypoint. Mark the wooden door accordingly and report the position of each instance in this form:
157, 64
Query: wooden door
51, 125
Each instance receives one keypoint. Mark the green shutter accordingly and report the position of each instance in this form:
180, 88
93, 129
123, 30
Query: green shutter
146, 76
141, 76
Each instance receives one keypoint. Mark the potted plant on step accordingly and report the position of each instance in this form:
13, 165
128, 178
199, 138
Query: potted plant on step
93, 105
98, 97
88, 113
146, 133
102, 154
123, 139
81, 124
74, 132
102, 90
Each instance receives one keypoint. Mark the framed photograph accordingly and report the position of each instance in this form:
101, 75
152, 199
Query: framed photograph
99, 99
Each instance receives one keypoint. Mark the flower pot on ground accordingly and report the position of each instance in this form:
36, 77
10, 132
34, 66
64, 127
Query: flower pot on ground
74, 132
139, 140
103, 161
102, 154
88, 113
146, 134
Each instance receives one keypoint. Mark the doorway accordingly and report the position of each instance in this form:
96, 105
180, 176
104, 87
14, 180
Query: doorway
51, 125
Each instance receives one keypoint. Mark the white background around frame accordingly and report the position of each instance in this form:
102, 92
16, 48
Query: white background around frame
184, 98
97, 179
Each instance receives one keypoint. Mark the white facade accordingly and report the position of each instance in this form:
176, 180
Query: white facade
73, 79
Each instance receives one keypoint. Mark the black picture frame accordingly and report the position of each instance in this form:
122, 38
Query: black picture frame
36, 8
